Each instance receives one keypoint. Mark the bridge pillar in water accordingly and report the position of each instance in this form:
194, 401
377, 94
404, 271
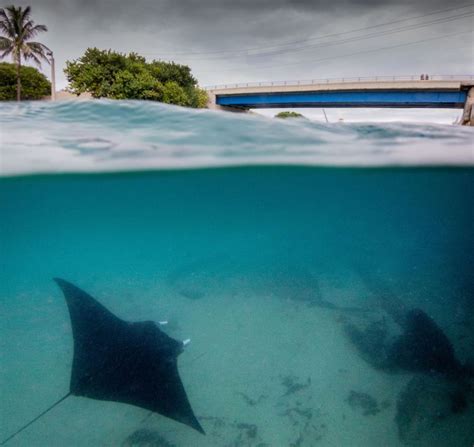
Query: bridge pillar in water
468, 114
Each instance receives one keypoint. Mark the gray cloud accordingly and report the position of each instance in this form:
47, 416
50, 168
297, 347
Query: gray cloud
168, 28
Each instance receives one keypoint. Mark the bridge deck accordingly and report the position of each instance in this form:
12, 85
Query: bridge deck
399, 93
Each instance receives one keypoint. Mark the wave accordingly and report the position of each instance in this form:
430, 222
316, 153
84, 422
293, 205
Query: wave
104, 136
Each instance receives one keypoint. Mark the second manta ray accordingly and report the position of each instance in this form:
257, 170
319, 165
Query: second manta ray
120, 361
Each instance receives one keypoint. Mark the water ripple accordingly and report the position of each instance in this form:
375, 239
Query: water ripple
96, 136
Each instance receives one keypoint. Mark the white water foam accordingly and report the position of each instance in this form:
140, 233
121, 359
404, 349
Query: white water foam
104, 136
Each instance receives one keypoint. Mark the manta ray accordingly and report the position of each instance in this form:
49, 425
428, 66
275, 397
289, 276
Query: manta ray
115, 360
421, 345
440, 386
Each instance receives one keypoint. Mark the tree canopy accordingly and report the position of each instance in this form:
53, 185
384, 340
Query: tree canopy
109, 74
35, 85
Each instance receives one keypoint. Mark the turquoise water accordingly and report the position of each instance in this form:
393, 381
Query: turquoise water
261, 266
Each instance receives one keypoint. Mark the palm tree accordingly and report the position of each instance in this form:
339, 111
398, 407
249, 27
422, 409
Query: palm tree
18, 29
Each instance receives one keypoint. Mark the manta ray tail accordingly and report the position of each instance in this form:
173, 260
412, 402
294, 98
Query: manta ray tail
35, 419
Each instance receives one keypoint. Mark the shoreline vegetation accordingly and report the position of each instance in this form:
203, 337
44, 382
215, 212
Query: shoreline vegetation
96, 74
289, 114
113, 75
34, 84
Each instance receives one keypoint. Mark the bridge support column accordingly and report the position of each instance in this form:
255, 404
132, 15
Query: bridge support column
468, 114
211, 104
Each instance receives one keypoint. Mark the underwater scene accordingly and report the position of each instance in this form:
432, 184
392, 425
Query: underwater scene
308, 284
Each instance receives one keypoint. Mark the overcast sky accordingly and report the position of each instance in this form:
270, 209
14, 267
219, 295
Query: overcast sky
227, 41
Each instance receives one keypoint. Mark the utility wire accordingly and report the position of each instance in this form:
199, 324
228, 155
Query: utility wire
378, 34
276, 46
351, 39
350, 54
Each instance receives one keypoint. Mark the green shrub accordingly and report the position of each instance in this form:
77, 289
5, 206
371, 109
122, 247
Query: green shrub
34, 85
289, 115
108, 74
138, 85
198, 98
173, 93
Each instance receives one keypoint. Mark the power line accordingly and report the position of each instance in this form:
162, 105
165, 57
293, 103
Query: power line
352, 39
382, 33
276, 46
352, 54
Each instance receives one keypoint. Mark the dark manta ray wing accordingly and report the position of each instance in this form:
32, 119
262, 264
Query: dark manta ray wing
134, 363
423, 346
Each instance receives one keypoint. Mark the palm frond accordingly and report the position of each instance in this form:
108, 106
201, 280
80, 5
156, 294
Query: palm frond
27, 31
15, 17
6, 24
5, 43
38, 47
40, 28
4, 28
34, 58
36, 51
31, 30
3, 15
6, 53
25, 14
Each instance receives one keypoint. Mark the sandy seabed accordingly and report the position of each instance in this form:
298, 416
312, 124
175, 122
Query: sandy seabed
260, 371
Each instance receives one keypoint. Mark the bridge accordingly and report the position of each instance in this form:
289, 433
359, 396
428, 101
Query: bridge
439, 91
